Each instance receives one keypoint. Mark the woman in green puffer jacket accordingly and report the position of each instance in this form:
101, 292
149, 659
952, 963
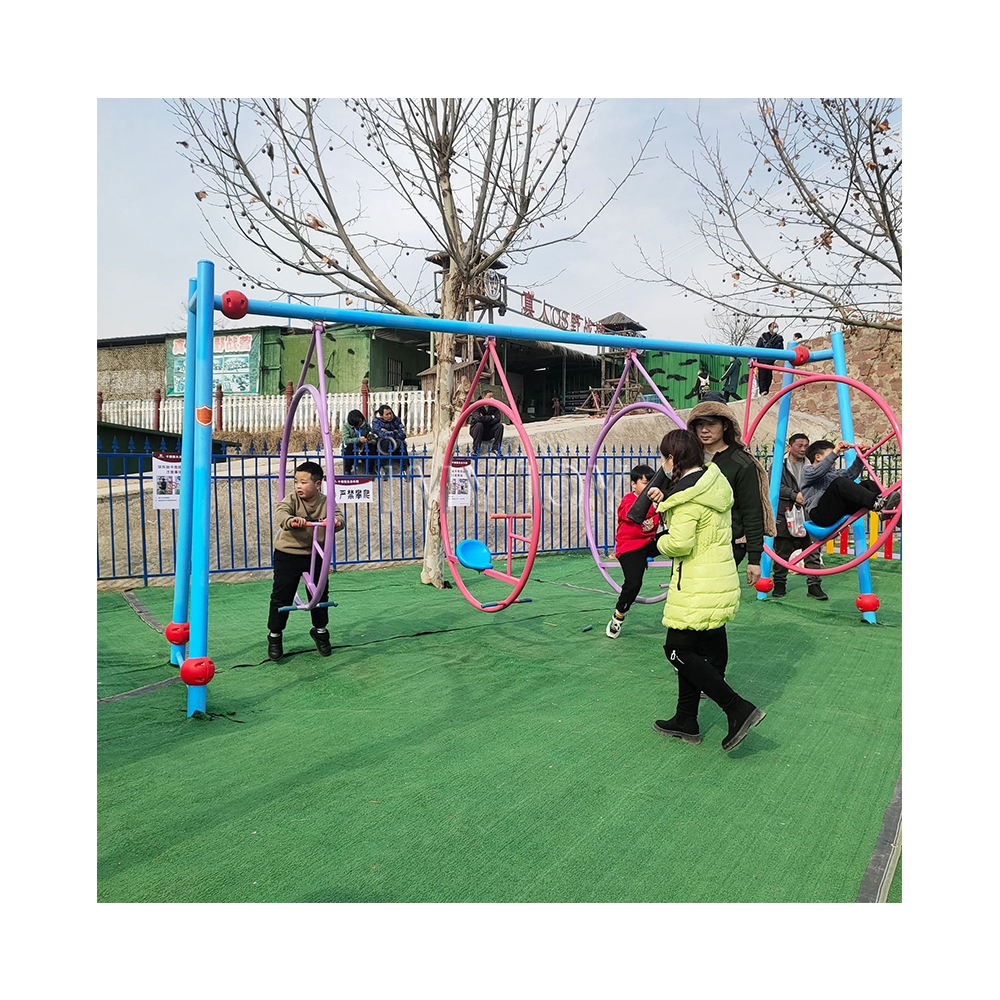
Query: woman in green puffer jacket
704, 589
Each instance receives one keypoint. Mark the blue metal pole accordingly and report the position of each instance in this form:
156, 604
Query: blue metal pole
201, 478
847, 432
182, 548
777, 461
394, 321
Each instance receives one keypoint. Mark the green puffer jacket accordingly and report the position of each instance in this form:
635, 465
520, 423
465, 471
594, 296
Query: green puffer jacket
704, 585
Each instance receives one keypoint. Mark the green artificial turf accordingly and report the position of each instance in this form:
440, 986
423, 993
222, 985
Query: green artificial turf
444, 754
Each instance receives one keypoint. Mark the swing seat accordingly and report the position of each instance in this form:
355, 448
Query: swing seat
821, 534
473, 554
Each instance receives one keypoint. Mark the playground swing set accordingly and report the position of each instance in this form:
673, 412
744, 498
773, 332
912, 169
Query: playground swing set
188, 631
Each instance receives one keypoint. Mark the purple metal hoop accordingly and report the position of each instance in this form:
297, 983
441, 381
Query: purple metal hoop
324, 551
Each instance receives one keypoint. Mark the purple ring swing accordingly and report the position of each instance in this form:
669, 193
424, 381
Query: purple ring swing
322, 552
664, 407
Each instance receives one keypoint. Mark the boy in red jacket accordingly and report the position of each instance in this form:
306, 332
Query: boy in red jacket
634, 544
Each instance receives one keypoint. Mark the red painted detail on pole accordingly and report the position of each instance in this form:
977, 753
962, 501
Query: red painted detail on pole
203, 415
764, 585
843, 542
157, 397
887, 551
801, 355
218, 406
364, 398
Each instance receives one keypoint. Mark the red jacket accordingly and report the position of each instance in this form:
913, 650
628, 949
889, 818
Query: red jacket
631, 536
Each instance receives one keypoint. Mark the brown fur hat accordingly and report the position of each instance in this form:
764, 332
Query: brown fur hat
722, 412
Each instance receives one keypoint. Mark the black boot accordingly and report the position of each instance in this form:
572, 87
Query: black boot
815, 590
322, 640
779, 589
741, 714
274, 647
685, 729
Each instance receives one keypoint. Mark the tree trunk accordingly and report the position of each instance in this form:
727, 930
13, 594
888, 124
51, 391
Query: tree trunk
452, 307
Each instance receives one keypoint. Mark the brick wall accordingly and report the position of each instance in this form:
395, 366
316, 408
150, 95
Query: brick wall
131, 372
874, 357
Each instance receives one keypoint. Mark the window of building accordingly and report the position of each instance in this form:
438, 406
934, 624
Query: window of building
394, 372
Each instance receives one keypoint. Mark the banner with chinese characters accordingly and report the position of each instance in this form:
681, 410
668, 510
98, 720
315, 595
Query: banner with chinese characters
353, 489
459, 483
166, 480
235, 364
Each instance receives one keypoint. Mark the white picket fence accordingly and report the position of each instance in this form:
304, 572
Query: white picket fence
264, 413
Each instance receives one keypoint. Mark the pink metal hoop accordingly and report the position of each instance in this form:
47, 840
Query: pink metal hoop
890, 525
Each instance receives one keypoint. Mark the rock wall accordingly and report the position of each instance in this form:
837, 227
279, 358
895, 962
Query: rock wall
874, 357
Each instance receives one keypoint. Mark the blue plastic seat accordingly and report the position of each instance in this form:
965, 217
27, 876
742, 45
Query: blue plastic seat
473, 554
822, 533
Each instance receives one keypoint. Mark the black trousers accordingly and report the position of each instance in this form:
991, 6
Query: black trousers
727, 394
634, 567
362, 455
288, 570
764, 376
391, 448
784, 546
492, 436
842, 497
700, 659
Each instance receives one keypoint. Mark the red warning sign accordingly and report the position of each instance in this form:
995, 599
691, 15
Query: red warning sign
203, 414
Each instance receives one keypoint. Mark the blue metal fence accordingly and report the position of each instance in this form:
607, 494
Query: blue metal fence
136, 541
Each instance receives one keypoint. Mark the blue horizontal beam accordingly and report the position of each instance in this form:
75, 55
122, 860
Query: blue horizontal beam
394, 321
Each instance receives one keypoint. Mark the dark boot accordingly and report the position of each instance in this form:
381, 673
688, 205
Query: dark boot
815, 590
274, 647
322, 640
741, 714
685, 729
779, 589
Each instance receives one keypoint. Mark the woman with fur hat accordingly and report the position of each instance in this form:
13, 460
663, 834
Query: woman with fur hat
752, 517
704, 589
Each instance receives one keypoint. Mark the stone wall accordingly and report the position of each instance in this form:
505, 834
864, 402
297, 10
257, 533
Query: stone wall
131, 372
874, 357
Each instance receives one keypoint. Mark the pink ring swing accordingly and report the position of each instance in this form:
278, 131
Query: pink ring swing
470, 552
890, 524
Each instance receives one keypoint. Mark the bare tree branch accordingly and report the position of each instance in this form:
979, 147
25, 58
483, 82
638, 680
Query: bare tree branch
812, 231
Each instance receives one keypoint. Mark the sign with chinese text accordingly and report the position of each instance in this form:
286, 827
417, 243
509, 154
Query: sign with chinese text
459, 483
235, 363
353, 489
166, 480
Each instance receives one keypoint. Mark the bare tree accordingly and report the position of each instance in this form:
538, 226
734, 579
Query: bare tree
478, 179
733, 327
809, 226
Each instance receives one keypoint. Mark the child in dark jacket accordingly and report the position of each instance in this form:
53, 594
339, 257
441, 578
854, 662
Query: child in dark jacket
634, 544
829, 494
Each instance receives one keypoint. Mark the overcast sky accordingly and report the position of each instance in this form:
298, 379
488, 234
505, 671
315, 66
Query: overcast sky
151, 232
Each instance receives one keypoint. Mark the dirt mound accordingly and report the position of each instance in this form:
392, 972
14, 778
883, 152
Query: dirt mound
645, 430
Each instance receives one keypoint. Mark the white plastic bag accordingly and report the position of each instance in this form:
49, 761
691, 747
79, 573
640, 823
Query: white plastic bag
796, 520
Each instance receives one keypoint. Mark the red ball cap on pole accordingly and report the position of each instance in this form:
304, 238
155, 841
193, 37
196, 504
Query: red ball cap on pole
234, 304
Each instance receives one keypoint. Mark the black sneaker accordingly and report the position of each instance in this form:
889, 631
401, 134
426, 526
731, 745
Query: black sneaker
322, 640
888, 504
817, 591
778, 590
274, 648
686, 731
741, 718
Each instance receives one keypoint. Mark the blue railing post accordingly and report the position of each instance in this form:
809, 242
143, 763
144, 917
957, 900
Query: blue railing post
777, 463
